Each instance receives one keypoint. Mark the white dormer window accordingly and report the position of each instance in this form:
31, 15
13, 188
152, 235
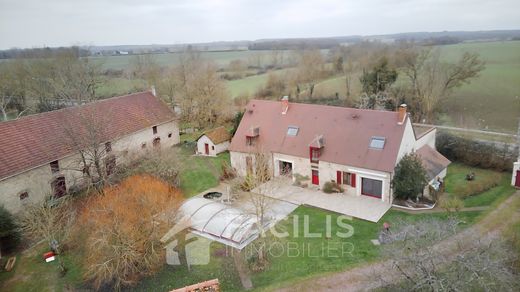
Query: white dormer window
292, 131
377, 142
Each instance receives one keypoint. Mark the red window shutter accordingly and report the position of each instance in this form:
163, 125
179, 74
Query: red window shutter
310, 153
338, 176
353, 180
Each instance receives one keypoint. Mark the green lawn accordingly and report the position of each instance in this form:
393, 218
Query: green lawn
289, 268
32, 273
170, 277
456, 181
198, 173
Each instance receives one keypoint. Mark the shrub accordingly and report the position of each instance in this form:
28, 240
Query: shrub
410, 177
227, 172
9, 232
248, 183
476, 153
298, 179
161, 164
332, 187
451, 204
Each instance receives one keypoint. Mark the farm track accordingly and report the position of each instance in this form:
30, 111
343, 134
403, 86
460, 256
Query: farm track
363, 278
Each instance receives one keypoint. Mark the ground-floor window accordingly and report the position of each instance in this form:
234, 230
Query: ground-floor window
346, 178
285, 168
372, 187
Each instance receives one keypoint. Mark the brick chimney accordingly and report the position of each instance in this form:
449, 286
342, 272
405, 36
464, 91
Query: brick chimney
401, 117
285, 104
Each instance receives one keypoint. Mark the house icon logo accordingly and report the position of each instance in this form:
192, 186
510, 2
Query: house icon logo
185, 247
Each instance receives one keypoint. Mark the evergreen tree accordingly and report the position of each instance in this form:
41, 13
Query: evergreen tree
409, 178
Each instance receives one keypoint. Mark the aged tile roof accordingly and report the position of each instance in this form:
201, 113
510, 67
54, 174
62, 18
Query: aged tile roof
218, 135
345, 133
433, 161
37, 139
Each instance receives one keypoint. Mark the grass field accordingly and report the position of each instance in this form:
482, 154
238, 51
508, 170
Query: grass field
249, 85
491, 101
221, 58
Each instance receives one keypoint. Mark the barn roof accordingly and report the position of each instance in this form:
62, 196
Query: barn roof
218, 135
37, 139
345, 133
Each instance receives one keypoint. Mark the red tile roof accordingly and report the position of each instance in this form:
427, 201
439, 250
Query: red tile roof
346, 133
432, 160
41, 138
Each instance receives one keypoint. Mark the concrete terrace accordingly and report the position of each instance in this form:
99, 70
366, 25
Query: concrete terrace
362, 207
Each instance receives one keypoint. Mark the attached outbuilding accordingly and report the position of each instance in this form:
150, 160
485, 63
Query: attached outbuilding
213, 142
436, 166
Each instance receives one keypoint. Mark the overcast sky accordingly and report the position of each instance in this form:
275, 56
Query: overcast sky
35, 23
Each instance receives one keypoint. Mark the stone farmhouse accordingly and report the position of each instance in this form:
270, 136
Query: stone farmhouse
356, 148
39, 154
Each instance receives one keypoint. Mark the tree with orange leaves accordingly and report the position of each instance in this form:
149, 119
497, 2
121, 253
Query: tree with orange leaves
123, 227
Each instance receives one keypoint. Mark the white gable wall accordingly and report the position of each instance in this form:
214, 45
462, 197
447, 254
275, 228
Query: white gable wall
516, 168
427, 139
213, 149
408, 141
201, 148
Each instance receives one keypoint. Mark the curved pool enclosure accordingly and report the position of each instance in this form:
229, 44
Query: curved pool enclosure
220, 222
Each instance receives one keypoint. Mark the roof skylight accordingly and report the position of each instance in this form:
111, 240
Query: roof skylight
292, 131
377, 142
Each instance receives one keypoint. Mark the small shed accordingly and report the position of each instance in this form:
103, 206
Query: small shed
213, 142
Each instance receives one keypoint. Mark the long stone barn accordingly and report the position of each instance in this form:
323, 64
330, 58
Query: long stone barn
40, 154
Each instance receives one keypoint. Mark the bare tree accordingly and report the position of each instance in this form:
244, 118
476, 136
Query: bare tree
257, 184
50, 220
12, 88
146, 67
475, 264
201, 94
310, 70
433, 80
87, 135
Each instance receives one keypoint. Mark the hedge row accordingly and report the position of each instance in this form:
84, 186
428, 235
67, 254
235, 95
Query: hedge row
497, 156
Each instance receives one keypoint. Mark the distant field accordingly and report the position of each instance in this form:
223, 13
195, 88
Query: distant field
491, 101
119, 86
249, 85
168, 59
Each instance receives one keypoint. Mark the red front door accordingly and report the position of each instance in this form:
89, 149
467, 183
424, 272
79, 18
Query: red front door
315, 177
517, 182
206, 147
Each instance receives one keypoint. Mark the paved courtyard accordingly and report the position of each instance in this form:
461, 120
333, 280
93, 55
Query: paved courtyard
363, 207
